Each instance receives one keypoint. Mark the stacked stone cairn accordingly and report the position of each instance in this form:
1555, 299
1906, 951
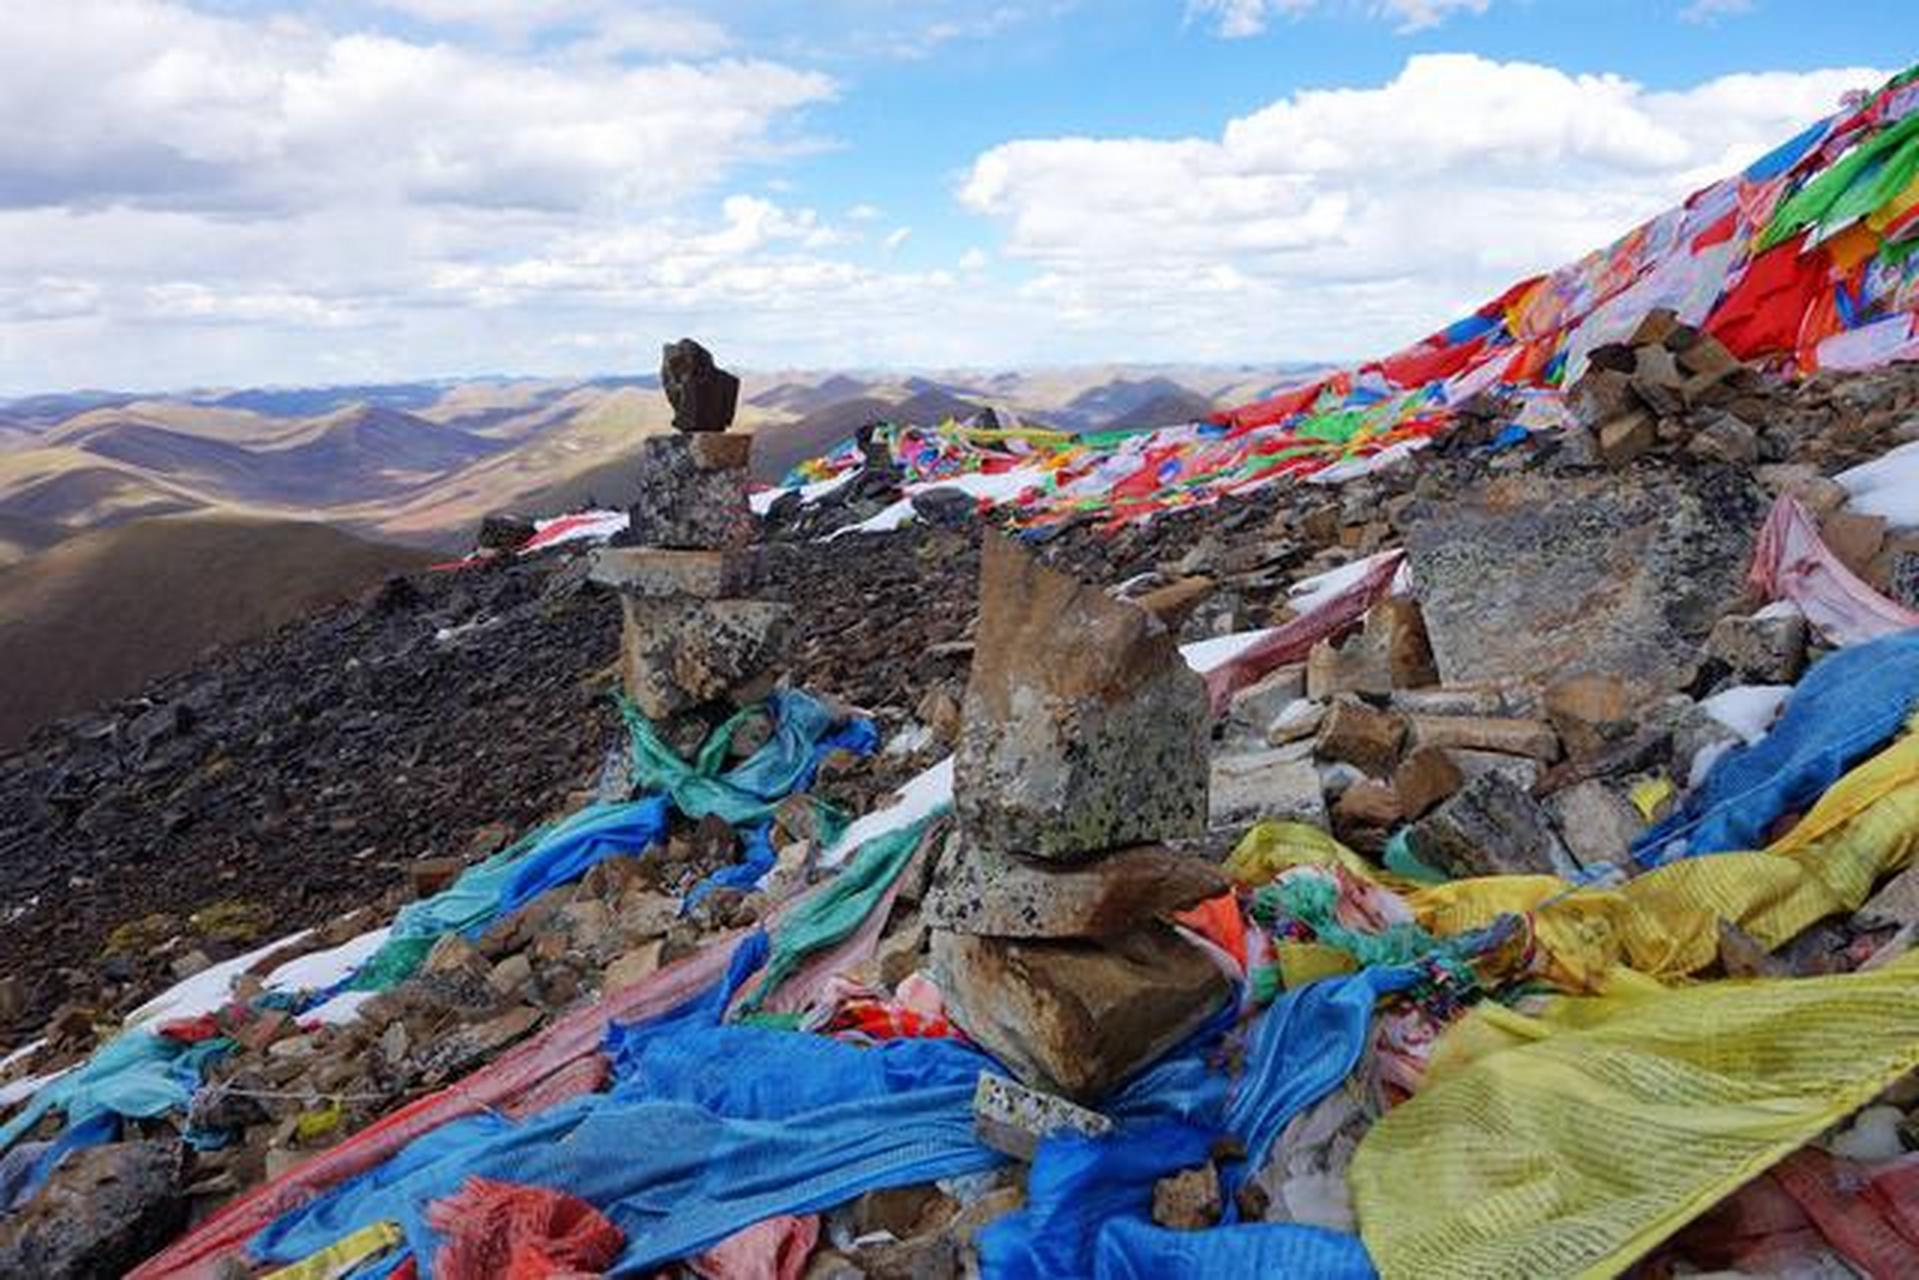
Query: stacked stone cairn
695, 641
1083, 751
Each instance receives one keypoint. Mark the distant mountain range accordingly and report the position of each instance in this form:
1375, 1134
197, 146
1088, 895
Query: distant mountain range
421, 462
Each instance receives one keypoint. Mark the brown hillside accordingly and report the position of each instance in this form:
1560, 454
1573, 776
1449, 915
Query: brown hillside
100, 614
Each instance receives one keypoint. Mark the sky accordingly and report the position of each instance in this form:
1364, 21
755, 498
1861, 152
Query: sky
242, 192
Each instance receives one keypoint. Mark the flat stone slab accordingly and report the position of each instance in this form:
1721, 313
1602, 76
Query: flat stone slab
657, 572
1013, 1119
984, 891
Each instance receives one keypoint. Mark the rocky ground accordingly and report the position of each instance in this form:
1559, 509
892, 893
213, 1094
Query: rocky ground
348, 763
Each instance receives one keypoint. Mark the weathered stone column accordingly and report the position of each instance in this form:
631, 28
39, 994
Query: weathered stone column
684, 568
1084, 747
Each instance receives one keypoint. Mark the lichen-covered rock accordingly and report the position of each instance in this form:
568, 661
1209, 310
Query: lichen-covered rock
689, 492
1537, 576
1084, 730
679, 652
984, 891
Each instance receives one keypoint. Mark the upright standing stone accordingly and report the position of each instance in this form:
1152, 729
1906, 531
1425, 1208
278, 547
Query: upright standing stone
702, 394
1083, 728
1084, 733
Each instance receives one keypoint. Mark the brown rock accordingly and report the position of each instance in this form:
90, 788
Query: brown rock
635, 966
1084, 729
1424, 778
1590, 712
1626, 438
903, 1212
13, 999
703, 395
1361, 736
1390, 652
1368, 804
1854, 538
1173, 603
430, 875
1077, 1017
1487, 733
510, 976
453, 952
1188, 1200
982, 891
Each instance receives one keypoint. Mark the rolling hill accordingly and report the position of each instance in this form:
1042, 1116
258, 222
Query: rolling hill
97, 615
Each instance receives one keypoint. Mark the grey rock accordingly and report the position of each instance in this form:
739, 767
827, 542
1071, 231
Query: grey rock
984, 891
1280, 783
1534, 576
1083, 729
1902, 579
1523, 772
679, 652
703, 395
504, 531
1761, 650
103, 1212
1724, 438
946, 508
1491, 827
1597, 824
1895, 905
660, 571
1013, 1119
690, 493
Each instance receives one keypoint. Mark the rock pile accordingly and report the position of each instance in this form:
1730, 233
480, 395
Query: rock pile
693, 635
1082, 753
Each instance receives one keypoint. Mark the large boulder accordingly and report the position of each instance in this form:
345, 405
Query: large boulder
1072, 1017
703, 395
1538, 576
103, 1212
1084, 730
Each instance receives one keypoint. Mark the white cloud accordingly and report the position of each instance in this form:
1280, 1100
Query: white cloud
863, 213
185, 110
1710, 11
895, 238
974, 259
1237, 19
1339, 222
